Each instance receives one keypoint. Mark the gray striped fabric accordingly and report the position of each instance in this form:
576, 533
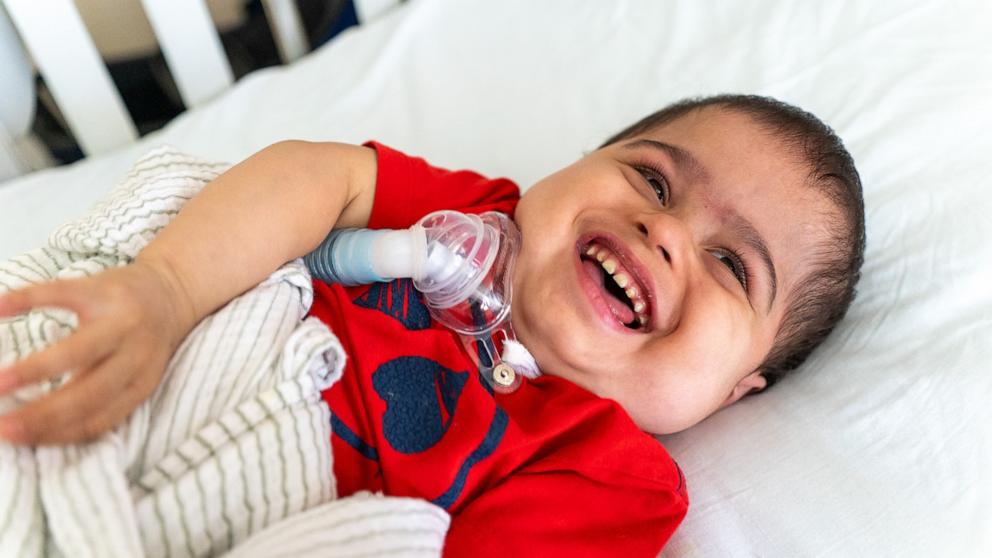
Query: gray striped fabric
233, 445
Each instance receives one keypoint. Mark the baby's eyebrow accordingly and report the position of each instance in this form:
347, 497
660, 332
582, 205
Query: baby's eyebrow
753, 239
684, 161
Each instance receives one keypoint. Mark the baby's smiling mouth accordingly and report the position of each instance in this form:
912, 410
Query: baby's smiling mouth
627, 296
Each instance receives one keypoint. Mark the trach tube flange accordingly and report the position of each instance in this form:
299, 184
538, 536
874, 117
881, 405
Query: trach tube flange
461, 263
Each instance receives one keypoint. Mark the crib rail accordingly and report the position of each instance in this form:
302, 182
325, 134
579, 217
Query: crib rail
55, 36
65, 55
191, 47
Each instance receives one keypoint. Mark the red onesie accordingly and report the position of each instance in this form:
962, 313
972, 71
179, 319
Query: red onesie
548, 470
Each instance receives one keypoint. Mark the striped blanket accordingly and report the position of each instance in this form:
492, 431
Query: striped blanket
230, 454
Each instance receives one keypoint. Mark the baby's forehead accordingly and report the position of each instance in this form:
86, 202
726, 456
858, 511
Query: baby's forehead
716, 146
730, 131
753, 181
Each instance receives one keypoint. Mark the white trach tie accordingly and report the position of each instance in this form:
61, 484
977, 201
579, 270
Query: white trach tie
517, 356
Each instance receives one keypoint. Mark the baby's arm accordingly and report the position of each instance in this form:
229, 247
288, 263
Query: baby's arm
274, 206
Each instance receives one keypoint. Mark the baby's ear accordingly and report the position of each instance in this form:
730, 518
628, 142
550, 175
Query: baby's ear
752, 382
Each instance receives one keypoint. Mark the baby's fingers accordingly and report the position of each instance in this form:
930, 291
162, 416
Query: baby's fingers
63, 293
87, 406
79, 351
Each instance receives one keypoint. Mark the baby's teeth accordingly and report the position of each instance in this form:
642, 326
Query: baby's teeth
621, 280
638, 306
600, 256
631, 292
610, 265
642, 319
591, 251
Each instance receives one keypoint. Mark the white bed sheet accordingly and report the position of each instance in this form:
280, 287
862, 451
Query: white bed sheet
882, 445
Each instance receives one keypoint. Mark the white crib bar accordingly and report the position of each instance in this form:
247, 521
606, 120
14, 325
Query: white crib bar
191, 47
287, 28
74, 73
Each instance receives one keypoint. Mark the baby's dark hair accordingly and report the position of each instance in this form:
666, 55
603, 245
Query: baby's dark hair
820, 299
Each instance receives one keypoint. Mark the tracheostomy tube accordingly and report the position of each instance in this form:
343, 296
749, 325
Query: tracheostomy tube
462, 264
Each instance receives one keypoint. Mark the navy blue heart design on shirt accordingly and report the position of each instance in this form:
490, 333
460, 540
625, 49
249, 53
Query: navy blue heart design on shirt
420, 396
397, 299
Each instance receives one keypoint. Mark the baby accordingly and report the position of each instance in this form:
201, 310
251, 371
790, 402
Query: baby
696, 257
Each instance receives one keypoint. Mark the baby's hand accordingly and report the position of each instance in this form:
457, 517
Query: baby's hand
131, 320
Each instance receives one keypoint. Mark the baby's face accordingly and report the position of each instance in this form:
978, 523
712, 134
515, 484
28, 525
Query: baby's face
703, 227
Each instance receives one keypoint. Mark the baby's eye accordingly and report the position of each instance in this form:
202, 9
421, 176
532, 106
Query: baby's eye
657, 182
734, 263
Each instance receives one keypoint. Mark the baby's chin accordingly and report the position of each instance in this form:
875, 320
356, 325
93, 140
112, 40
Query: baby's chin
672, 416
656, 417
553, 354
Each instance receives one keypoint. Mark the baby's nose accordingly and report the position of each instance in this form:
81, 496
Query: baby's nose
669, 238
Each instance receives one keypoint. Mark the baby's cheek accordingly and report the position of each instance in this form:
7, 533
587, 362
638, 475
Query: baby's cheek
720, 339
740, 346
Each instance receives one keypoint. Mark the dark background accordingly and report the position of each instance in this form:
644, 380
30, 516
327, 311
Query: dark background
151, 95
